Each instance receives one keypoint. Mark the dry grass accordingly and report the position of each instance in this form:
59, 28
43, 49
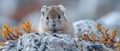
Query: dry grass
108, 39
9, 33
2, 43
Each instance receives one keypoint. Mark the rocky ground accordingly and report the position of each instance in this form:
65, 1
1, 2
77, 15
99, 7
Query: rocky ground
44, 42
59, 42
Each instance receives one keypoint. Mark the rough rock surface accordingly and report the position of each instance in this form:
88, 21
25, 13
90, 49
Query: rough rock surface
45, 42
56, 41
83, 26
41, 42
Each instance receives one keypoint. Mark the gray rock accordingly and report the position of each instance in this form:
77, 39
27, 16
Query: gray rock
82, 26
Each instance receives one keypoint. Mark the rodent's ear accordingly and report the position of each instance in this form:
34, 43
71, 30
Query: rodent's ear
43, 9
62, 8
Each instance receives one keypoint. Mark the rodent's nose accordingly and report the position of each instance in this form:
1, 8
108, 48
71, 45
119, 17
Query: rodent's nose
54, 25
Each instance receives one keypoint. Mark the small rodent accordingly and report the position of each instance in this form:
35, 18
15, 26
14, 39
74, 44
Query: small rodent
54, 19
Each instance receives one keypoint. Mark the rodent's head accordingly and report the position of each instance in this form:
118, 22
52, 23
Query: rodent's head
53, 17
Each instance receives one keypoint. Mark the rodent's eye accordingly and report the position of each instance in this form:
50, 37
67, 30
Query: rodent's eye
47, 17
59, 17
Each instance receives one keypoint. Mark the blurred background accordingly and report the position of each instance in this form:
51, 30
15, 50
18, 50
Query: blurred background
14, 12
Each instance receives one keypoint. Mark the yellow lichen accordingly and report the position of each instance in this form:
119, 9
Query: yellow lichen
106, 30
98, 27
114, 32
26, 26
109, 42
11, 34
80, 37
17, 32
2, 43
108, 36
4, 34
102, 41
5, 31
118, 46
101, 30
93, 38
86, 37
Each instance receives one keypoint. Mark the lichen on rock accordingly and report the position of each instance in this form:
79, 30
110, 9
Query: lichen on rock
40, 42
98, 38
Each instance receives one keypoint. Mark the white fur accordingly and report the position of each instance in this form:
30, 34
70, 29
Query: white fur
62, 24
43, 8
62, 8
